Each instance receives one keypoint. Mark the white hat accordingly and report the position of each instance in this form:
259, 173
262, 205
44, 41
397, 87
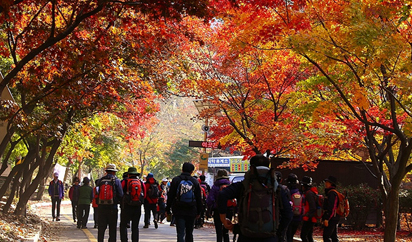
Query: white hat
111, 167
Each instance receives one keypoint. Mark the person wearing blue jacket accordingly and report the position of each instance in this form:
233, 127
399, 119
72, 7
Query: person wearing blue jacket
56, 192
222, 180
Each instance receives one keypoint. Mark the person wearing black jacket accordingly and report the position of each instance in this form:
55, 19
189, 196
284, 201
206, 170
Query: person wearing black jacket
330, 217
235, 190
309, 219
185, 213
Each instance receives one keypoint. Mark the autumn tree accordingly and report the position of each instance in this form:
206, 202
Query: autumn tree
251, 92
69, 62
362, 51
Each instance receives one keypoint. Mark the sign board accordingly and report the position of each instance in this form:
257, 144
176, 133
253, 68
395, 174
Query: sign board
203, 161
204, 144
224, 161
239, 165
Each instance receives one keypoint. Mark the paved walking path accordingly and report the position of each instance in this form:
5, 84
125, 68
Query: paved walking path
69, 232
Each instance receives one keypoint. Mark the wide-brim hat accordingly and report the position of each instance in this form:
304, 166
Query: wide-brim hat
332, 180
306, 180
110, 167
222, 174
132, 171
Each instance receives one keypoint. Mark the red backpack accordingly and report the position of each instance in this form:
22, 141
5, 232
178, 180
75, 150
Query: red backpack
230, 203
134, 192
297, 203
106, 191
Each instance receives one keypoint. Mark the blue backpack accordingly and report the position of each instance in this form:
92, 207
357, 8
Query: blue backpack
185, 192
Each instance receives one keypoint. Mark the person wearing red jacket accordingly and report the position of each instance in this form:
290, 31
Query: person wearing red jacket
309, 209
150, 202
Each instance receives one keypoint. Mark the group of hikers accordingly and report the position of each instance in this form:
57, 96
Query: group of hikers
259, 208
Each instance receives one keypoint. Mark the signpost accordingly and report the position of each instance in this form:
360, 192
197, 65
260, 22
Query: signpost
204, 144
204, 161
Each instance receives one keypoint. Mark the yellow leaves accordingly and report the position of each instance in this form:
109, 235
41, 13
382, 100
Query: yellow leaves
323, 109
359, 98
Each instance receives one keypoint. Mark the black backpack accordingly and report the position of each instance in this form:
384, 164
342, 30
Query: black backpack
153, 191
259, 206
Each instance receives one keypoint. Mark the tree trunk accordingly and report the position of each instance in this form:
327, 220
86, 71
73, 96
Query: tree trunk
391, 214
45, 164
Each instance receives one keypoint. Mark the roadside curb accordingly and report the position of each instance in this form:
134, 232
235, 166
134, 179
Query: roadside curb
35, 238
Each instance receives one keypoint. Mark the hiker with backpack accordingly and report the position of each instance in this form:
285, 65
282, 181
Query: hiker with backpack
309, 209
151, 200
184, 200
222, 181
297, 205
330, 216
285, 209
110, 193
133, 198
85, 199
259, 203
162, 201
200, 221
74, 196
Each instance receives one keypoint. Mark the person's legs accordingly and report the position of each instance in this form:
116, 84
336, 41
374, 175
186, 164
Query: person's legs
74, 210
79, 216
146, 215
293, 227
330, 232
218, 226
137, 211
190, 223
102, 223
95, 216
54, 201
85, 218
58, 209
307, 231
153, 207
112, 225
180, 228
124, 218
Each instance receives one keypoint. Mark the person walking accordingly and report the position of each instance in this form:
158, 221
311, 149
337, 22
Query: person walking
222, 181
56, 192
94, 203
309, 214
161, 215
74, 196
330, 217
109, 195
151, 200
257, 192
297, 206
184, 200
134, 194
85, 198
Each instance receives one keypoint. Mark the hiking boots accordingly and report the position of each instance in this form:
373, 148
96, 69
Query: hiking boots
155, 224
